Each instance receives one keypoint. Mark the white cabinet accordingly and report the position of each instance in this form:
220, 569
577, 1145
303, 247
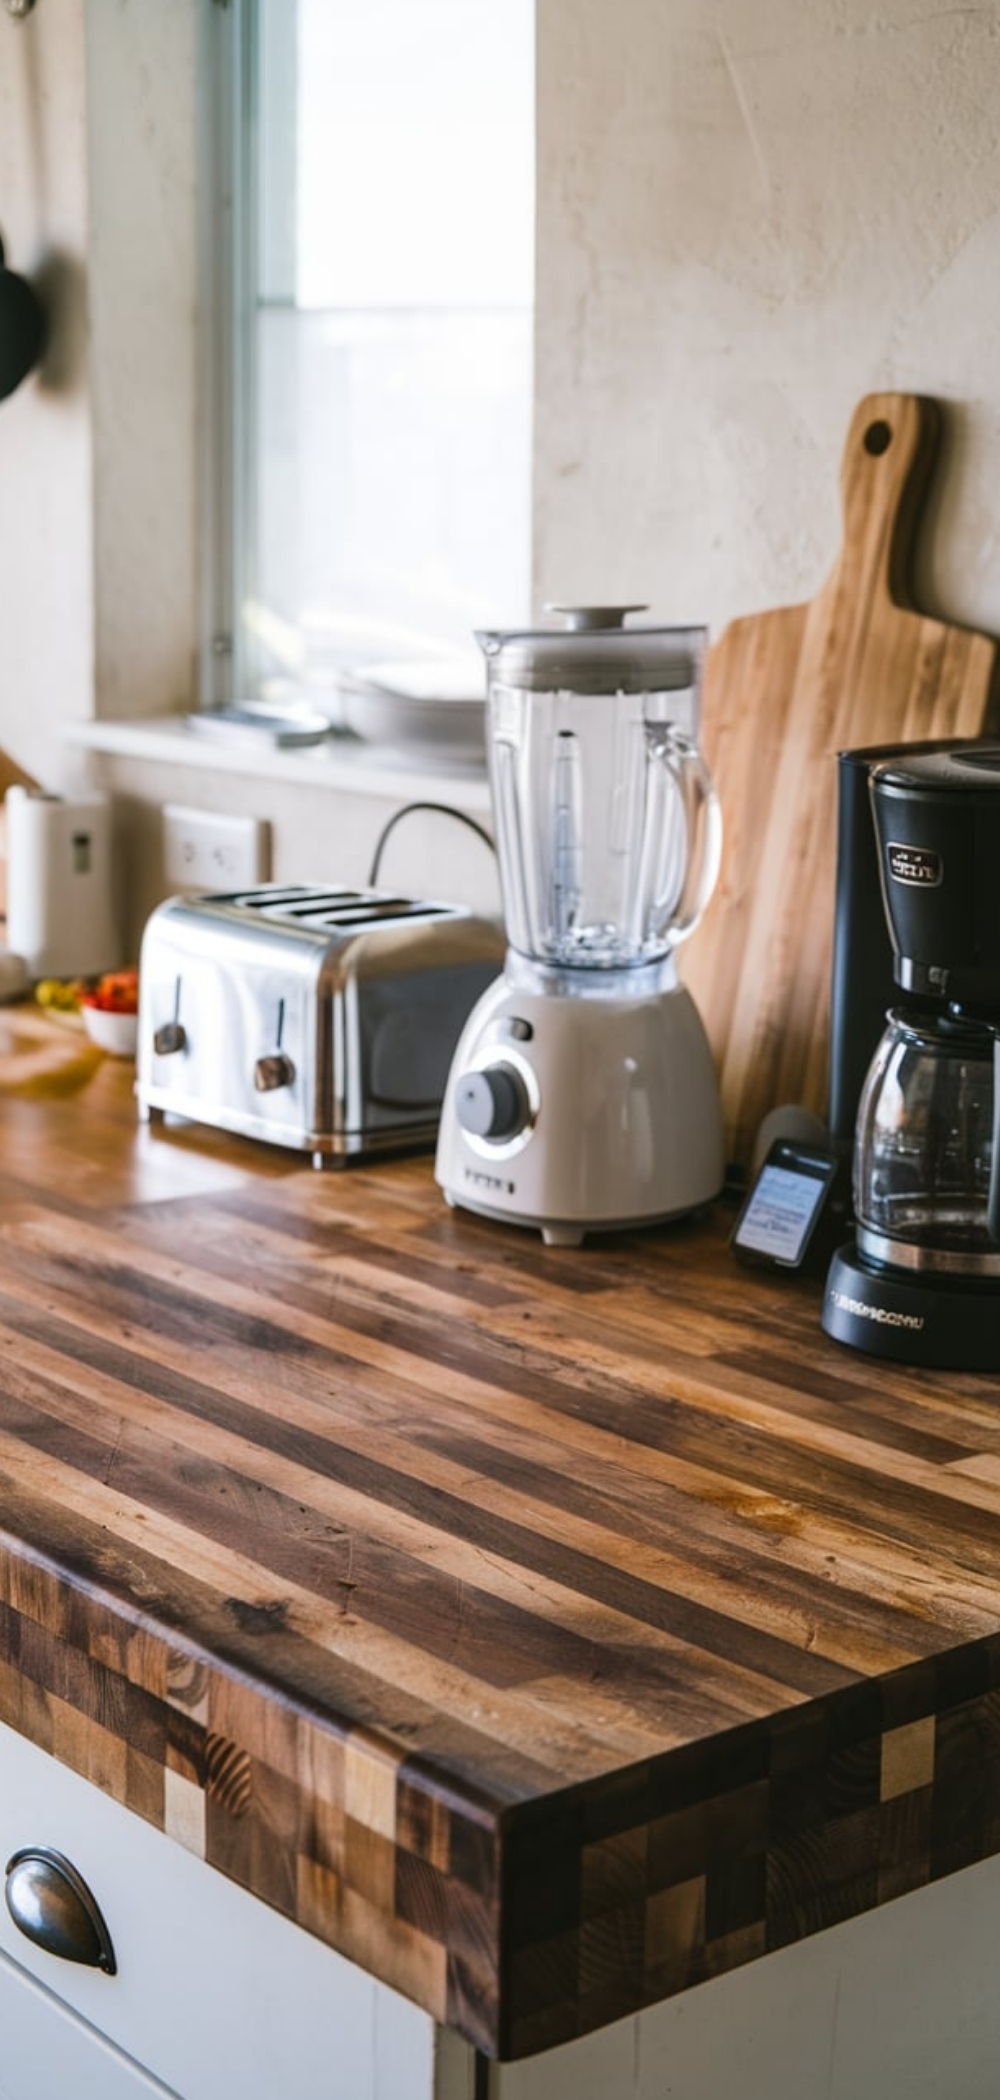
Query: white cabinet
216, 1997
900, 2004
47, 2053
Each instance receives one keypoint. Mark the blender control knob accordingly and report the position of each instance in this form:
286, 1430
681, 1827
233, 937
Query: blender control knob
492, 1103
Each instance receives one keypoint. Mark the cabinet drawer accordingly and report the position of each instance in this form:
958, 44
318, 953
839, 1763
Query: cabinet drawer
214, 1993
47, 2052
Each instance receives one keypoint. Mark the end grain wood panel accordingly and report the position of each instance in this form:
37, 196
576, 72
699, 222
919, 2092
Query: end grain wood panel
784, 692
545, 1629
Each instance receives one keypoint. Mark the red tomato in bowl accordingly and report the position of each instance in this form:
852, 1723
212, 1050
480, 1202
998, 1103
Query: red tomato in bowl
115, 993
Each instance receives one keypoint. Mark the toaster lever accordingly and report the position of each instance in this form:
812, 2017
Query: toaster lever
170, 1038
274, 1070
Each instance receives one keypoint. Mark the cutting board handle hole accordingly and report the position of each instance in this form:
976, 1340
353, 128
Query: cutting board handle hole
878, 437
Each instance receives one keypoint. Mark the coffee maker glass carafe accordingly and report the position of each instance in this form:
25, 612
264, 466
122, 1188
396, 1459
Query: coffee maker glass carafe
924, 1147
608, 829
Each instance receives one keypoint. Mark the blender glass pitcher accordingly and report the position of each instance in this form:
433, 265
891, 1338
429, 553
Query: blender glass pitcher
608, 827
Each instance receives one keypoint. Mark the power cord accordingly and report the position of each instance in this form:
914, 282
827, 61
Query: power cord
436, 809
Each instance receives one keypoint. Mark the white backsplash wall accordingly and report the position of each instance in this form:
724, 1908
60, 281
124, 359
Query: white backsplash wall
319, 834
752, 213
99, 448
46, 542
142, 61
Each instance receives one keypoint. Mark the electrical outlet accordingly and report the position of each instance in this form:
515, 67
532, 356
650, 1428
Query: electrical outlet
205, 851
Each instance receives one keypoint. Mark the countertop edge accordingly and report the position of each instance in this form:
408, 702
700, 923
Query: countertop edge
520, 1925
221, 1760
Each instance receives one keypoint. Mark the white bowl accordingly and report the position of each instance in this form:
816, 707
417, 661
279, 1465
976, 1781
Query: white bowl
115, 1032
435, 707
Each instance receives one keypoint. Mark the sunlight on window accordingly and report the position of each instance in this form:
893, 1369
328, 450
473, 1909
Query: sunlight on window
391, 360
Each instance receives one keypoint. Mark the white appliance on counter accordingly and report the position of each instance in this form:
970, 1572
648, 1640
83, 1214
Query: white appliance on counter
315, 1017
583, 1095
60, 895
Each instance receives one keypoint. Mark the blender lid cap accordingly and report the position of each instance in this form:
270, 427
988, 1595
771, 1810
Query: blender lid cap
596, 653
589, 619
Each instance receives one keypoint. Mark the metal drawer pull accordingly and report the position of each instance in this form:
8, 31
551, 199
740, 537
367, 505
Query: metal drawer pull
52, 1905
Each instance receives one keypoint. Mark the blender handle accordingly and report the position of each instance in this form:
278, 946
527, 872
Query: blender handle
993, 1197
703, 819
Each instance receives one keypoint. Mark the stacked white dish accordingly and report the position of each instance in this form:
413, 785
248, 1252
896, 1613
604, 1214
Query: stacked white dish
435, 705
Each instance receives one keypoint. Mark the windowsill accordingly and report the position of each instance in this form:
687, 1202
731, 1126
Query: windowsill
343, 764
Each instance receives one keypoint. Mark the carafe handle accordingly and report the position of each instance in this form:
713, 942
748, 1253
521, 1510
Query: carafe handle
993, 1198
703, 822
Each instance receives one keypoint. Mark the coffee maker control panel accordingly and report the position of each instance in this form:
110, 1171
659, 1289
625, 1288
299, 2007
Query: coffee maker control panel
935, 816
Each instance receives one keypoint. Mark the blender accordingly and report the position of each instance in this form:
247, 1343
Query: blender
921, 1281
582, 1095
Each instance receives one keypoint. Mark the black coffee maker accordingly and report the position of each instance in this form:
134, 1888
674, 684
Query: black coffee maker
921, 1281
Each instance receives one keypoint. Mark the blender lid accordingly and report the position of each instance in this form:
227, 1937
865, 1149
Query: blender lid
596, 653
962, 769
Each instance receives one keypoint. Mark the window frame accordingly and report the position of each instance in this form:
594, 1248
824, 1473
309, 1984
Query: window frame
230, 132
228, 123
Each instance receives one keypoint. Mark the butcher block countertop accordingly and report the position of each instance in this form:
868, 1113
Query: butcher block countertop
547, 1630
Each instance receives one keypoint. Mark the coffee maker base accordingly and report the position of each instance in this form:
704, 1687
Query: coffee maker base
951, 1325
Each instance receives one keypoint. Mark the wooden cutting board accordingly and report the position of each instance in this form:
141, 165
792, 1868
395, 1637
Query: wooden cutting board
784, 692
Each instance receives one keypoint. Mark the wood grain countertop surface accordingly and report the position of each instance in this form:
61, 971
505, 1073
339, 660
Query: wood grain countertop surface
545, 1629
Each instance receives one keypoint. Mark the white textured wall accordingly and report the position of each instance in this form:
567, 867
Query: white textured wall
98, 450
143, 264
317, 834
751, 213
46, 551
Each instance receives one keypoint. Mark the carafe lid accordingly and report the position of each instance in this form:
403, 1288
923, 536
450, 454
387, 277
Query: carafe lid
595, 653
961, 768
941, 1032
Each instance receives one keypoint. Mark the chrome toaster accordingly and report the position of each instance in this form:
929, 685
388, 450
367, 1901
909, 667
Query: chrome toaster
316, 1018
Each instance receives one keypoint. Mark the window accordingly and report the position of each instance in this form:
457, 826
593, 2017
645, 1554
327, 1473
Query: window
371, 470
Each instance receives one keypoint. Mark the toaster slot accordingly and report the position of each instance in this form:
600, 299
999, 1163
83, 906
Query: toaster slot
385, 910
273, 900
321, 909
349, 911
339, 909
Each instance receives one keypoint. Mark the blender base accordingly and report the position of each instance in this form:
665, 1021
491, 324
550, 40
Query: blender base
621, 1125
951, 1325
568, 1235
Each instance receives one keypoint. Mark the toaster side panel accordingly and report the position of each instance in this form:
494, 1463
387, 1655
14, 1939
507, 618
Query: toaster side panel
231, 1040
400, 1035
